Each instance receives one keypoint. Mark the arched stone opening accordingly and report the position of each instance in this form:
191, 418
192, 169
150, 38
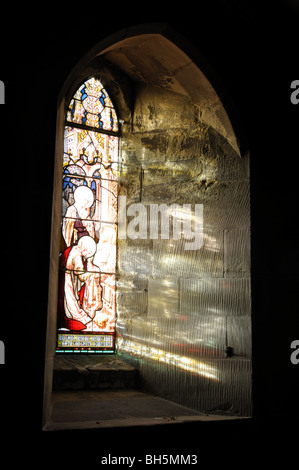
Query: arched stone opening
183, 315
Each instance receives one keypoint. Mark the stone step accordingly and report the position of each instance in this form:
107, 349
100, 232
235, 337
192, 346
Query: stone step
85, 372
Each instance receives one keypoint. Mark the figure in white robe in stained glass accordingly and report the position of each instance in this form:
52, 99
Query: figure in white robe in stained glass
82, 289
77, 218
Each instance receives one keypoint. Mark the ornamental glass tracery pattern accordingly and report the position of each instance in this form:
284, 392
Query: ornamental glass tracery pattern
87, 267
91, 106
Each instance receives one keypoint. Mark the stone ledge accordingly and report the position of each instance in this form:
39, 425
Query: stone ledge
83, 372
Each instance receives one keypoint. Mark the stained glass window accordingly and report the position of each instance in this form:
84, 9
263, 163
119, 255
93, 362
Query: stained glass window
91, 106
87, 265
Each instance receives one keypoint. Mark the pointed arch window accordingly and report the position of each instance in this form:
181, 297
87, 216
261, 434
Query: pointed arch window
87, 265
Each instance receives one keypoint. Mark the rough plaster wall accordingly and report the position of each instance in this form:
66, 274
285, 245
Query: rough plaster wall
178, 310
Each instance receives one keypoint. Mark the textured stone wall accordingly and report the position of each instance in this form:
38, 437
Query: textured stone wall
179, 309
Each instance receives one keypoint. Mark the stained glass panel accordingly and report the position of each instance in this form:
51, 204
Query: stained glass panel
87, 282
87, 343
91, 106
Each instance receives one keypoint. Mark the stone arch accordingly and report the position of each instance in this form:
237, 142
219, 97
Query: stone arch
156, 54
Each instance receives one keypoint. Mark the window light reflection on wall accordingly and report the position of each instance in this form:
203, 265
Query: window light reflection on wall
181, 362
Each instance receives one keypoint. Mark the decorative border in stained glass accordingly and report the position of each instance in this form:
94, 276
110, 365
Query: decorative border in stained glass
85, 342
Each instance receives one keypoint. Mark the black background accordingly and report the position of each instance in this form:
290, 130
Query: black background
252, 48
